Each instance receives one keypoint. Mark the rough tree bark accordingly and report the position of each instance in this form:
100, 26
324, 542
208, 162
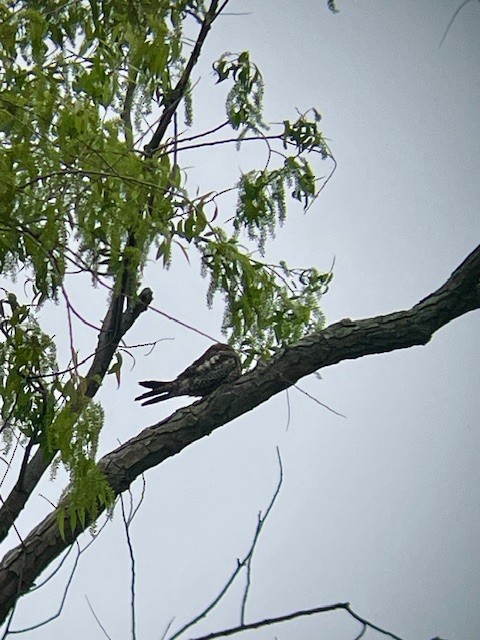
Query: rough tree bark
343, 340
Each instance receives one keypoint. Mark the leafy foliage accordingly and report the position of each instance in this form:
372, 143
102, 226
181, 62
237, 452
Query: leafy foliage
75, 434
266, 305
68, 169
244, 100
26, 356
44, 409
261, 199
85, 89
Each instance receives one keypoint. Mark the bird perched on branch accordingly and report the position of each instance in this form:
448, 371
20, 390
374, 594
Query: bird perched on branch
218, 365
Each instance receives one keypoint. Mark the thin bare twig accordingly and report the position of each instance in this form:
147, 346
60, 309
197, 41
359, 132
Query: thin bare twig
204, 134
97, 619
71, 309
240, 563
127, 521
289, 408
362, 632
325, 406
62, 601
261, 522
169, 624
8, 462
267, 622
452, 20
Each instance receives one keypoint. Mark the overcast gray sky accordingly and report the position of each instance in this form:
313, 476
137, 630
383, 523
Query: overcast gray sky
380, 509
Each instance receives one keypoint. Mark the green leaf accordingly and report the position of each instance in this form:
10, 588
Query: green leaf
116, 368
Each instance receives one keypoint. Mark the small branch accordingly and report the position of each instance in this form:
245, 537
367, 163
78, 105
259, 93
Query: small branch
97, 619
126, 114
267, 622
71, 310
452, 20
172, 101
112, 331
240, 565
196, 136
325, 406
366, 623
126, 523
62, 601
261, 522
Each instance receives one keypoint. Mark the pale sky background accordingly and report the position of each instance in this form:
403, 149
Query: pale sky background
380, 509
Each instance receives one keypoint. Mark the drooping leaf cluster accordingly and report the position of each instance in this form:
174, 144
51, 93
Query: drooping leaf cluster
41, 406
75, 434
262, 199
262, 194
26, 356
244, 100
266, 306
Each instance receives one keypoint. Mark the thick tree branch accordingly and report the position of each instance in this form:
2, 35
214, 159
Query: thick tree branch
343, 340
108, 340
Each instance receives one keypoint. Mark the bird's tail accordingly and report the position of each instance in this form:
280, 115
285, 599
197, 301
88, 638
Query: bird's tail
159, 391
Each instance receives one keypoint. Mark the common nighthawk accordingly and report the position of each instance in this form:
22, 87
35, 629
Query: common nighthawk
218, 365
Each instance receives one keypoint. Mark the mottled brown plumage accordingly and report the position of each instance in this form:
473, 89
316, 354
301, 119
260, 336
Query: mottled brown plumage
218, 365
